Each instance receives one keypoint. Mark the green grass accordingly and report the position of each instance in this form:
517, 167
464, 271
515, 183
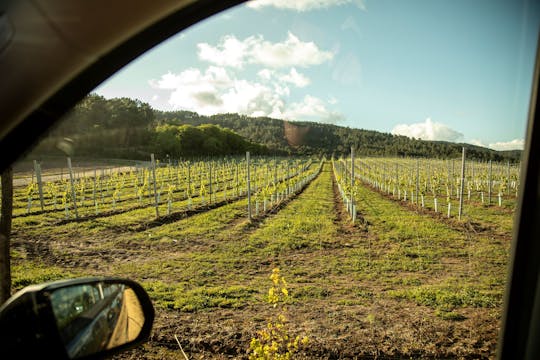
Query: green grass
178, 297
29, 273
218, 260
432, 264
305, 224
444, 297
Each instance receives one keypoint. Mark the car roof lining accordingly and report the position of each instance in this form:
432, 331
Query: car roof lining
56, 81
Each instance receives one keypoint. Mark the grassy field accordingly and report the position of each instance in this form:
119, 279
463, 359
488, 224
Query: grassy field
398, 284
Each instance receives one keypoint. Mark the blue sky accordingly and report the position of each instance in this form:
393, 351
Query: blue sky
438, 70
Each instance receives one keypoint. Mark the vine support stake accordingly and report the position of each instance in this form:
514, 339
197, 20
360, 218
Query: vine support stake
210, 181
462, 183
153, 160
508, 178
37, 169
248, 186
417, 180
189, 180
73, 198
352, 185
489, 182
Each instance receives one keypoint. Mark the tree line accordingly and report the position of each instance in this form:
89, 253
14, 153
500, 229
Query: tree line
307, 138
127, 128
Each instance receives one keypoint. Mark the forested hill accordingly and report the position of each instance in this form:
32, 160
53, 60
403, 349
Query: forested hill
317, 138
127, 128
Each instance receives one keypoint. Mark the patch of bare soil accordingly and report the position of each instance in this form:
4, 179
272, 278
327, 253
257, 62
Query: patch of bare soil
87, 255
379, 330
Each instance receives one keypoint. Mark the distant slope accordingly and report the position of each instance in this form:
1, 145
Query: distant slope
126, 129
131, 129
316, 138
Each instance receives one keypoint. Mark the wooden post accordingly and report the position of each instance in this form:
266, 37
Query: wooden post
417, 180
248, 186
94, 188
508, 178
288, 179
275, 178
237, 182
397, 179
210, 182
153, 160
489, 182
352, 183
452, 179
462, 183
177, 168
189, 180
73, 197
37, 169
275, 171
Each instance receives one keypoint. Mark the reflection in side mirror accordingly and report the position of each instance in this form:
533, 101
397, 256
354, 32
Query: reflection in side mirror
96, 317
76, 318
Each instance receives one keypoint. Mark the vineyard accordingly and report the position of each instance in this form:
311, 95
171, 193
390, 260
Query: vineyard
384, 257
432, 185
153, 189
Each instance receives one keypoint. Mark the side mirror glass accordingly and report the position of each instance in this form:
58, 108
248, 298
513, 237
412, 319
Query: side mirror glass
76, 319
96, 317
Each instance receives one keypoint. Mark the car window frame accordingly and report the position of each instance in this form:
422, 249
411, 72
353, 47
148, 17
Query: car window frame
520, 326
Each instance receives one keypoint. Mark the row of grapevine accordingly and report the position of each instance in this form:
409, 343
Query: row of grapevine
276, 192
482, 181
436, 184
156, 184
346, 190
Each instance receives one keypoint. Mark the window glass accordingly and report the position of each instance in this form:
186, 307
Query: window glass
318, 178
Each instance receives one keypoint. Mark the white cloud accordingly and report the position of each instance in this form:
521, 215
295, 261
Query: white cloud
304, 5
192, 89
292, 77
428, 130
255, 50
314, 109
265, 74
476, 142
291, 52
217, 90
516, 144
295, 78
230, 52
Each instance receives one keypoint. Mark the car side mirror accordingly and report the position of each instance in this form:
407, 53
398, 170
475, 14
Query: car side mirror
76, 319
